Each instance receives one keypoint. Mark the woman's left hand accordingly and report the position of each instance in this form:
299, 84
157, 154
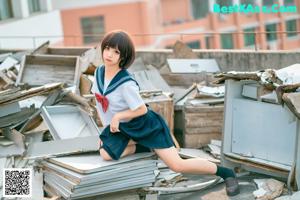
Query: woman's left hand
114, 124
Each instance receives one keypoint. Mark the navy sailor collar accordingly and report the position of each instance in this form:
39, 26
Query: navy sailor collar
121, 77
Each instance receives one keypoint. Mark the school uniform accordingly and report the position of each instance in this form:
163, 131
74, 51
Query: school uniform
119, 94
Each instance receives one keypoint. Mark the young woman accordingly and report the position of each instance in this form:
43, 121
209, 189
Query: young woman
130, 126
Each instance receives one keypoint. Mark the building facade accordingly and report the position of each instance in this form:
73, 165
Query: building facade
154, 23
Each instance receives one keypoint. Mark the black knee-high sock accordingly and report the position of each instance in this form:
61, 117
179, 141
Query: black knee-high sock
139, 148
224, 172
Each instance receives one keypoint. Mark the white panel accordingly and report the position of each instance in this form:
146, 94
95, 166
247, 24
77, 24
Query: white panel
193, 65
263, 130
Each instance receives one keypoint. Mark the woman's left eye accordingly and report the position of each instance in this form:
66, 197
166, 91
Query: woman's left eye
117, 52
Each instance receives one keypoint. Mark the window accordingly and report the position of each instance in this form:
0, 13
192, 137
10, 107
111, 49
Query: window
271, 32
200, 8
291, 26
288, 2
249, 38
268, 2
227, 41
5, 9
92, 27
224, 2
194, 44
251, 2
208, 42
34, 6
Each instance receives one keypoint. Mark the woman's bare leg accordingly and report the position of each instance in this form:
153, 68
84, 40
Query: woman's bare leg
130, 149
193, 165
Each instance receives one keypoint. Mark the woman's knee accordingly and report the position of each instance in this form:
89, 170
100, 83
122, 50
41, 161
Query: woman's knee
104, 155
176, 167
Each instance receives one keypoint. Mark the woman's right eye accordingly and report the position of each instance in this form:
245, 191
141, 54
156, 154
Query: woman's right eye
107, 47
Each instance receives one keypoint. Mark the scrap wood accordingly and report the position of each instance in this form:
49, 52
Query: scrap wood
35, 120
83, 102
236, 76
186, 93
42, 49
24, 94
280, 90
189, 188
18, 118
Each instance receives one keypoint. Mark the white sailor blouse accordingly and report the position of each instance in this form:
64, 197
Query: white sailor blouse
116, 95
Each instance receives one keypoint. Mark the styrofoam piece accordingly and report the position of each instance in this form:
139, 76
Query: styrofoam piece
93, 162
67, 122
193, 65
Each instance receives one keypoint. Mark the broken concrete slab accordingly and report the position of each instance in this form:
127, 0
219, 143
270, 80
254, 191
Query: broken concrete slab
67, 122
268, 189
181, 50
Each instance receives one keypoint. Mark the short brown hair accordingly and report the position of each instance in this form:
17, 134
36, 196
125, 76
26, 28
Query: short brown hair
120, 40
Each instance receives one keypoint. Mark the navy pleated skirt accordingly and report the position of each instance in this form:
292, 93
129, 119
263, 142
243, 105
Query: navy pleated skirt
149, 130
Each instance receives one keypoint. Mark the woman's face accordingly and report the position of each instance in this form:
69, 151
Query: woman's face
111, 56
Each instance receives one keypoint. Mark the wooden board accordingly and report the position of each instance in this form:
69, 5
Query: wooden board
202, 123
163, 105
41, 69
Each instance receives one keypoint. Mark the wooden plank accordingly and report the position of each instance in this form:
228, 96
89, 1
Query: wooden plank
203, 109
292, 101
24, 94
40, 70
16, 118
199, 140
203, 130
72, 51
62, 147
42, 49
